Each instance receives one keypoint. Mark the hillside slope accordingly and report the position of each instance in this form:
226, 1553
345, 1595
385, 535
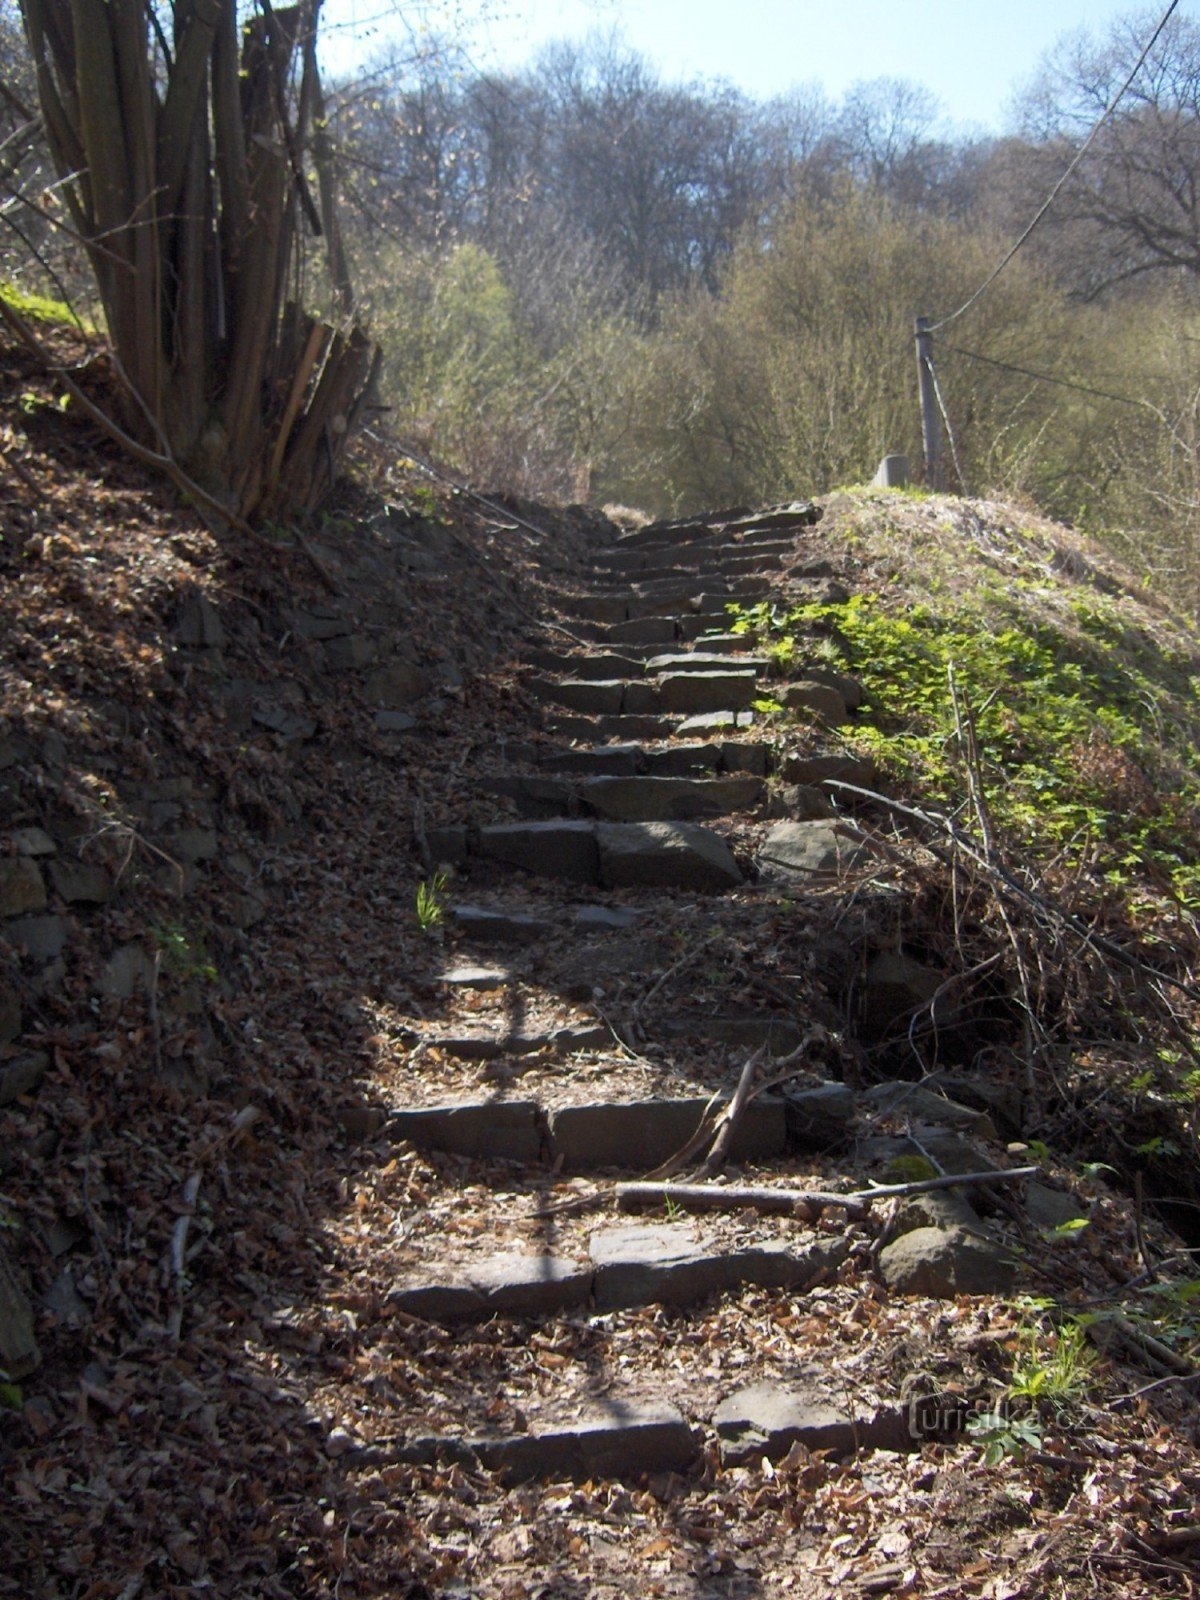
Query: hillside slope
263, 804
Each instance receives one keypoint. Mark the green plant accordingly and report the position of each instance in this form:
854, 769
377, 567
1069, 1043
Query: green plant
1056, 1368
1004, 1437
431, 902
182, 953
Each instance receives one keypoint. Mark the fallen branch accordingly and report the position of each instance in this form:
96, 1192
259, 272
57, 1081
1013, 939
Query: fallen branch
803, 1203
807, 1204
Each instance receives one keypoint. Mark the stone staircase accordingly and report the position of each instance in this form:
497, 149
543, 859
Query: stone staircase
651, 814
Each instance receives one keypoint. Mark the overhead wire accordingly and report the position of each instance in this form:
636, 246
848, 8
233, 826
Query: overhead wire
1044, 377
1063, 180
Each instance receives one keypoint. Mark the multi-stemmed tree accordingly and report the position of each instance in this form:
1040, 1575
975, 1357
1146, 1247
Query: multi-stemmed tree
184, 136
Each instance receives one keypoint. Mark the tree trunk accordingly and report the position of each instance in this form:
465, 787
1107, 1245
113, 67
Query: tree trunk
184, 163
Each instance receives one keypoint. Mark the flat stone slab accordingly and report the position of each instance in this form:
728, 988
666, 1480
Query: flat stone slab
714, 722
622, 1439
482, 978
605, 919
613, 760
767, 1419
681, 760
817, 849
597, 607
491, 1046
600, 696
643, 630
507, 1285
665, 855
498, 927
703, 661
666, 1264
694, 692
910, 1099
820, 1117
642, 1134
566, 850
620, 728
655, 799
603, 665
512, 1130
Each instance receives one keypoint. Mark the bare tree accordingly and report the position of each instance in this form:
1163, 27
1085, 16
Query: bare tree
181, 137
1133, 205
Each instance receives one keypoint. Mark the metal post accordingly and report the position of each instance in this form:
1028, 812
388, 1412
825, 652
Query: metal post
931, 427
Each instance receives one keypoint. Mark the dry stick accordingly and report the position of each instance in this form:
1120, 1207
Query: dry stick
729, 1122
964, 727
1039, 902
800, 1202
191, 1193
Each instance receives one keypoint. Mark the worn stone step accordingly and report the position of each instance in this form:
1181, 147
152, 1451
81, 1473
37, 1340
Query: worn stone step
601, 696
634, 1135
623, 1438
651, 799
676, 691
628, 1265
621, 729
480, 925
642, 1134
692, 692
492, 1046
711, 722
603, 760
702, 660
628, 798
642, 630
664, 761
596, 607
576, 664
616, 855
769, 1419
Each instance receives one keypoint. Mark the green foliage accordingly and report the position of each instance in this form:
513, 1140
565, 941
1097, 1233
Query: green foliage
431, 902
1072, 762
1056, 1369
39, 307
1004, 1437
183, 953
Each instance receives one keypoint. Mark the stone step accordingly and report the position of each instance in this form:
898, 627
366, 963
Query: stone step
716, 548
685, 692
627, 1265
625, 1438
636, 1135
493, 1046
642, 630
667, 760
615, 855
655, 799
702, 660
622, 729
628, 798
578, 664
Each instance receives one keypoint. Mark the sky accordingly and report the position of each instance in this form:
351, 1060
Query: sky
973, 54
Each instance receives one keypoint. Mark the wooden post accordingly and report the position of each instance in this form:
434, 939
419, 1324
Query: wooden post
931, 427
